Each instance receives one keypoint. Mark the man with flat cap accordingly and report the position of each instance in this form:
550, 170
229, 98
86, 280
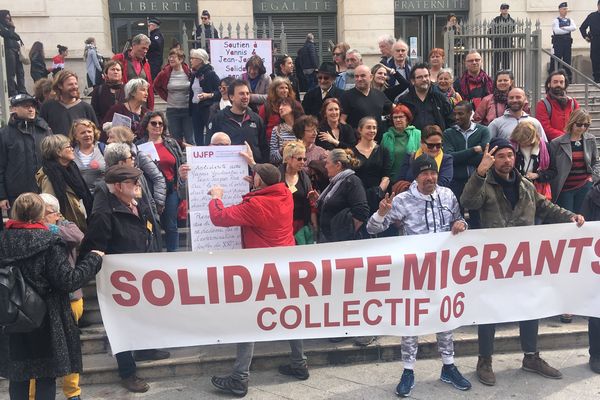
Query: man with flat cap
562, 26
325, 89
123, 225
157, 45
266, 217
590, 30
20, 152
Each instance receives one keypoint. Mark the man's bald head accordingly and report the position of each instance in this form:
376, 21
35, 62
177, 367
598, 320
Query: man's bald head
516, 100
362, 78
220, 139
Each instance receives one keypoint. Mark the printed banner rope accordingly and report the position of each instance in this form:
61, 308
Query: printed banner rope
408, 285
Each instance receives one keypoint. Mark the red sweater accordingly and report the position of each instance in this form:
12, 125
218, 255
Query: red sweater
265, 215
162, 79
123, 59
554, 127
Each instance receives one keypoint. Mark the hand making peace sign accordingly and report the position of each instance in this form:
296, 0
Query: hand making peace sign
487, 160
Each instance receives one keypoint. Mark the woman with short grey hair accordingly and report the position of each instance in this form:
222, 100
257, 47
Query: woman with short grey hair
134, 106
204, 92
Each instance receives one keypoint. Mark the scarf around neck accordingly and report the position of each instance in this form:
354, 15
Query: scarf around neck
334, 186
481, 80
14, 224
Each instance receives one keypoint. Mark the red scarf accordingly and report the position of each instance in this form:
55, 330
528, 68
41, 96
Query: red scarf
13, 224
480, 80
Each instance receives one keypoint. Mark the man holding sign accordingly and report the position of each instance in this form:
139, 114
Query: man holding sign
504, 198
265, 215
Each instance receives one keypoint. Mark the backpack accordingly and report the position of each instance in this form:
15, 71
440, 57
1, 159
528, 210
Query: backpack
549, 107
21, 308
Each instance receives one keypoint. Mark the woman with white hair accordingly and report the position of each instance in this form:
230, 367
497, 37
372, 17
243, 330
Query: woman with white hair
134, 106
204, 92
444, 82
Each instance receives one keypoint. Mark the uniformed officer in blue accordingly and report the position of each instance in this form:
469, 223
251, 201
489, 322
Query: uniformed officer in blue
157, 44
592, 22
562, 26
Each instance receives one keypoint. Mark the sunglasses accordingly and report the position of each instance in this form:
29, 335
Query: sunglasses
301, 158
156, 123
432, 146
579, 124
337, 54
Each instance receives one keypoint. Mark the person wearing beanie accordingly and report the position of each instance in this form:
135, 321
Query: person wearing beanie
266, 218
424, 208
504, 198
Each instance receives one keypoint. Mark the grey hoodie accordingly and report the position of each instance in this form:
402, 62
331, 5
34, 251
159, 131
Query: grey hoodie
419, 213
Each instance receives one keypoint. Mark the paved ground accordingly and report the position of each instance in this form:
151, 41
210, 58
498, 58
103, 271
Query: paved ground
378, 381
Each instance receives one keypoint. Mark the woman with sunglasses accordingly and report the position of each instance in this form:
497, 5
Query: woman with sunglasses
154, 128
88, 151
339, 56
575, 156
298, 181
431, 144
374, 167
60, 177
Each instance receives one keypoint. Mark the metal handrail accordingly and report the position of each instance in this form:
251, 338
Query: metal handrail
579, 73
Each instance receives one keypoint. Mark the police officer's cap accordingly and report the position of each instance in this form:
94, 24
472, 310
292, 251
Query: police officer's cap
153, 20
563, 5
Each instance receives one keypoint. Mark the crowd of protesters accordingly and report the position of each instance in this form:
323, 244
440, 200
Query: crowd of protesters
393, 149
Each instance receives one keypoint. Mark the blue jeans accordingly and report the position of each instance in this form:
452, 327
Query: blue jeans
169, 219
180, 124
573, 199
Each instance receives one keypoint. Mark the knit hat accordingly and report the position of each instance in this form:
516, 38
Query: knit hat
423, 163
268, 173
501, 143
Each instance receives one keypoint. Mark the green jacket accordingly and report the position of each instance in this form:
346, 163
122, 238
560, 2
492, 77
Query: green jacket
388, 142
465, 159
487, 196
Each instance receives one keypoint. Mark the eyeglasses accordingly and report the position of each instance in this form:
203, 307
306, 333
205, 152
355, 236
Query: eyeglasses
432, 146
337, 54
51, 212
203, 18
323, 77
134, 181
156, 123
131, 157
301, 158
579, 125
399, 117
67, 147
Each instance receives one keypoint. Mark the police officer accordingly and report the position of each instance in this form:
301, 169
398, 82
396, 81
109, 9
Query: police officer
562, 40
157, 44
593, 36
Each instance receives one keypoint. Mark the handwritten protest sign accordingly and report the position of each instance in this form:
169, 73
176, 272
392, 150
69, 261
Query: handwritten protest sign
228, 56
211, 166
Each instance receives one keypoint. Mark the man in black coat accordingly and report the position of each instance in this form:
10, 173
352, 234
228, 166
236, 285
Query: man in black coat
20, 154
209, 31
157, 45
314, 98
502, 27
15, 74
117, 226
308, 60
429, 107
590, 30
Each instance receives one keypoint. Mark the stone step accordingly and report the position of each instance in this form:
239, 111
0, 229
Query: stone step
100, 367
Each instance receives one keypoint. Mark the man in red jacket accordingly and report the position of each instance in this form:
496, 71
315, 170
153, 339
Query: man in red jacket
265, 215
136, 65
554, 110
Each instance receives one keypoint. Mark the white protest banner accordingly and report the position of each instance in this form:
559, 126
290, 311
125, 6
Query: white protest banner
228, 56
212, 166
409, 285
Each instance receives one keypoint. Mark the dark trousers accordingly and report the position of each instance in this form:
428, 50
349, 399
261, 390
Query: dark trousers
594, 336
528, 332
562, 50
200, 117
126, 364
45, 389
595, 56
15, 74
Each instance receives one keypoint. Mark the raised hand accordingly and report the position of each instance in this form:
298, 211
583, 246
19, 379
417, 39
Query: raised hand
487, 160
385, 205
247, 155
